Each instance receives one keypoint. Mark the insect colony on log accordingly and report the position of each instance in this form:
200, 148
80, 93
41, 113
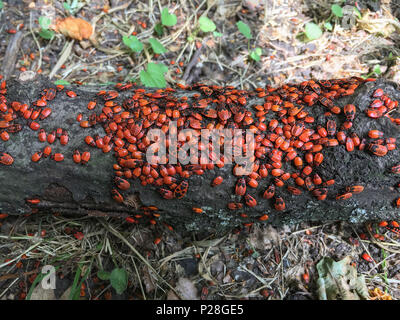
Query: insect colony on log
290, 140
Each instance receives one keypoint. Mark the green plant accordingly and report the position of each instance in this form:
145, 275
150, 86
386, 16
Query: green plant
154, 75
132, 43
376, 71
168, 19
206, 24
159, 29
312, 31
45, 32
73, 6
337, 10
157, 46
118, 279
245, 30
256, 54
328, 26
62, 82
1, 5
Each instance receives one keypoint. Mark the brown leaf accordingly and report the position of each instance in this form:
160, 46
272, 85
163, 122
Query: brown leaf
75, 28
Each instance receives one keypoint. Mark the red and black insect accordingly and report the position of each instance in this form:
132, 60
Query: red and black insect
71, 94
85, 157
6, 159
117, 196
77, 156
49, 94
217, 181
240, 188
122, 183
181, 189
250, 201
349, 111
378, 150
37, 156
279, 204
57, 157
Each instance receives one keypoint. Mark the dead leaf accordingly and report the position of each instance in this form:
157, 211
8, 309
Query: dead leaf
385, 26
75, 28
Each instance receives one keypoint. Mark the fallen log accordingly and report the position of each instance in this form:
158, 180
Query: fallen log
86, 189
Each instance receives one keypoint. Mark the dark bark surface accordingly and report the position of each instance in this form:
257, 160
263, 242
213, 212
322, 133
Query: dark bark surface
85, 189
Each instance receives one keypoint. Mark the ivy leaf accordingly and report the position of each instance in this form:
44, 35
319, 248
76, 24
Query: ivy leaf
313, 31
46, 34
154, 75
217, 34
244, 29
157, 46
44, 22
132, 43
119, 280
328, 26
337, 10
206, 25
103, 275
256, 54
159, 29
168, 19
62, 82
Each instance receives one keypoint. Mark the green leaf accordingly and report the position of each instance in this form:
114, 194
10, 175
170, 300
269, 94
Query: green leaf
206, 25
313, 31
190, 39
328, 26
62, 82
46, 34
168, 19
154, 75
119, 280
1, 5
157, 46
132, 43
337, 10
244, 29
256, 54
103, 275
67, 7
377, 70
159, 29
44, 22
217, 34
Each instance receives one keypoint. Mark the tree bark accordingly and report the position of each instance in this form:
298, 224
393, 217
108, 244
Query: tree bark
69, 188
